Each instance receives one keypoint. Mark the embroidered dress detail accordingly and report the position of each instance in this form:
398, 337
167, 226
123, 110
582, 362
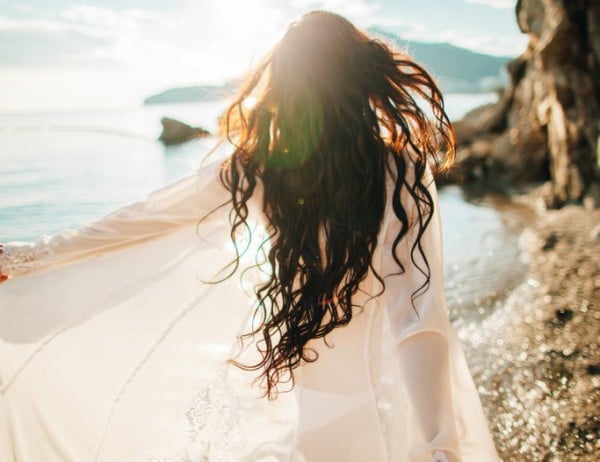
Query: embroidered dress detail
212, 424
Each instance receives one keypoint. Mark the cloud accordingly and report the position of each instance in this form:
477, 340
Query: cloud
78, 35
493, 45
501, 4
41, 42
43, 48
405, 29
83, 34
105, 18
360, 11
112, 53
119, 56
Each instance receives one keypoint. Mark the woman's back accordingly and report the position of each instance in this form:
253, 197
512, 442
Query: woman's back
393, 385
331, 151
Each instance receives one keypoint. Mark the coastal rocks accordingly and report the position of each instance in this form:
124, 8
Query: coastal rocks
539, 385
546, 124
591, 199
176, 132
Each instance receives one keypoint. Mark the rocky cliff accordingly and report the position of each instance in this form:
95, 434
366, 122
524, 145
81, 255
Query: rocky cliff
546, 125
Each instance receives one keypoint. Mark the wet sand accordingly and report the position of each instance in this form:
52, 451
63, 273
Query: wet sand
535, 352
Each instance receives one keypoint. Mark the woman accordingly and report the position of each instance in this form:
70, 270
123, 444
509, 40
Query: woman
330, 154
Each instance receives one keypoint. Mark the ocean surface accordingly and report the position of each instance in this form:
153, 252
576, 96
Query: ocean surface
60, 170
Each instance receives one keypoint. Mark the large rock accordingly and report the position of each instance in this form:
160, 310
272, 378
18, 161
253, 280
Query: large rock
176, 132
546, 124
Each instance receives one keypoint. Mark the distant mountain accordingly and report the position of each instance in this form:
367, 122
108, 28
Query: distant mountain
455, 69
193, 94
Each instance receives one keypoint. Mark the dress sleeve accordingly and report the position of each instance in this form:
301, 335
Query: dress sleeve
421, 331
183, 202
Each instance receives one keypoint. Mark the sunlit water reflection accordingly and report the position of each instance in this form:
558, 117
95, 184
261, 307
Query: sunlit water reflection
481, 252
59, 171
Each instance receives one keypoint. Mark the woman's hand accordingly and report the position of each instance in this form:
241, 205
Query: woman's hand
3, 277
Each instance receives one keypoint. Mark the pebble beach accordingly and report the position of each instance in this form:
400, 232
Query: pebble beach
535, 358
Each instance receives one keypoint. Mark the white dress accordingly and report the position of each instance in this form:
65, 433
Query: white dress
113, 348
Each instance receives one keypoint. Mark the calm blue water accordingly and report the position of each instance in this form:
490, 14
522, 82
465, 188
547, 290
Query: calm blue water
60, 170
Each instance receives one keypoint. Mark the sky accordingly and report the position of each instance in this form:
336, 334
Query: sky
60, 55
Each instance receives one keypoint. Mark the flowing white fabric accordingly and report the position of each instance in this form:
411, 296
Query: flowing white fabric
113, 347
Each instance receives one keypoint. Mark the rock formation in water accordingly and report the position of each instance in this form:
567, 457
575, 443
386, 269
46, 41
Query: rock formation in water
546, 124
176, 132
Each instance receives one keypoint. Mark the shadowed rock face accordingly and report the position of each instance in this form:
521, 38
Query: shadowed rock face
176, 132
546, 123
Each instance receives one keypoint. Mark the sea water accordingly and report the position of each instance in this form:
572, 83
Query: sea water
60, 170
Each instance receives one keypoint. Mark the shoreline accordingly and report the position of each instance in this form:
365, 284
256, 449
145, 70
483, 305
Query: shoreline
535, 358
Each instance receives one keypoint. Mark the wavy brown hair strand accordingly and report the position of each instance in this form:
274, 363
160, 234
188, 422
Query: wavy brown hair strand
320, 124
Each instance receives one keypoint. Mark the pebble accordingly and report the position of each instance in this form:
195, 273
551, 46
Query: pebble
564, 314
551, 241
543, 403
593, 369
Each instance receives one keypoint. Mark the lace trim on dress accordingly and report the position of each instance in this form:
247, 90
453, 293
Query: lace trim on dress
212, 424
20, 258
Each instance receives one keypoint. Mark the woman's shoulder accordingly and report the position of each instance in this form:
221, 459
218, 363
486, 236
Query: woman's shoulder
413, 167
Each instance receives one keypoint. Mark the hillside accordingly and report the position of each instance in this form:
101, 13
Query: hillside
192, 93
456, 70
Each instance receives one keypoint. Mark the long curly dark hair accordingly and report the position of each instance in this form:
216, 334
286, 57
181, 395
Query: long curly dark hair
319, 123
